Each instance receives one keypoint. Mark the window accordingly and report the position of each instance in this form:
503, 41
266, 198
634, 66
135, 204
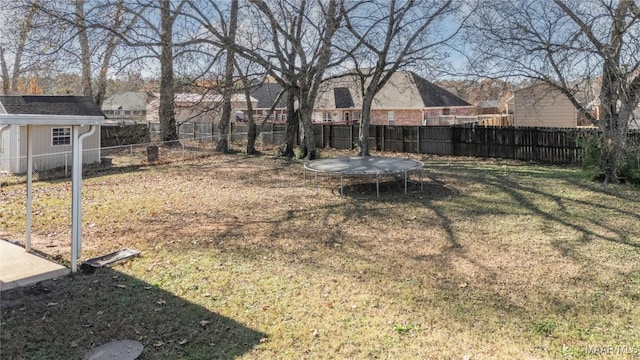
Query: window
356, 116
61, 136
391, 116
346, 117
326, 116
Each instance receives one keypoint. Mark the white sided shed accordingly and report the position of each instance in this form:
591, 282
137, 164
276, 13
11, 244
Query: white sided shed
51, 143
33, 113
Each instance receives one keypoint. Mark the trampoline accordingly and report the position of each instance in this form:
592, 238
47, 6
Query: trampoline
365, 166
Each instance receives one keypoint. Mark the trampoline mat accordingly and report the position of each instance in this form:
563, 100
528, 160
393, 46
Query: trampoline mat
364, 165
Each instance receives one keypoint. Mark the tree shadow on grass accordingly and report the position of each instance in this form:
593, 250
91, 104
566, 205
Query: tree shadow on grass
65, 318
558, 208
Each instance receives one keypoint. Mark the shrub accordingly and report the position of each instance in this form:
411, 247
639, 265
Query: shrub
629, 167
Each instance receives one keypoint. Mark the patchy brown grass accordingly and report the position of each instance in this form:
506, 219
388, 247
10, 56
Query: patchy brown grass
241, 258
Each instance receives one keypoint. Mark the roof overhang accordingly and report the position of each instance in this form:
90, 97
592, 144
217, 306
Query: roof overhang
54, 120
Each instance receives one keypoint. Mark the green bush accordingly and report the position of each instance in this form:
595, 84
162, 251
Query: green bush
629, 168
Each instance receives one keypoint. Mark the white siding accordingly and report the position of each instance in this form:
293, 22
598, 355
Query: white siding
543, 106
45, 156
9, 149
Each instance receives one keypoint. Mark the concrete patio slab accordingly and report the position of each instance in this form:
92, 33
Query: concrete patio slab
19, 268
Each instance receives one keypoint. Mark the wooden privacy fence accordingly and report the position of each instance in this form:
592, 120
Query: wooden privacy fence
550, 145
558, 146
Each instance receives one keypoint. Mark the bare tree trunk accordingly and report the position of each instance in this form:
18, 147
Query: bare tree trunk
252, 132
304, 151
308, 141
291, 130
252, 135
85, 51
101, 90
166, 111
25, 28
365, 121
223, 126
6, 81
112, 44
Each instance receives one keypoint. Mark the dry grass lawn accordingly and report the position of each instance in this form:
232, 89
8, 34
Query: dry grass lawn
242, 258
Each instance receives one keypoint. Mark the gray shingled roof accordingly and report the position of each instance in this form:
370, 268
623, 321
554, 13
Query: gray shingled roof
435, 96
266, 95
343, 98
50, 105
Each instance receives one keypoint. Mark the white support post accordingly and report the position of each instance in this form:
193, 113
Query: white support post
29, 214
76, 195
76, 178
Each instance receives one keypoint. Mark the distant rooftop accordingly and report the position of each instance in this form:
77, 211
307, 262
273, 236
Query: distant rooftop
266, 95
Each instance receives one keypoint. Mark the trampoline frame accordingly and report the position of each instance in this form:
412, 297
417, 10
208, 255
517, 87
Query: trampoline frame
355, 161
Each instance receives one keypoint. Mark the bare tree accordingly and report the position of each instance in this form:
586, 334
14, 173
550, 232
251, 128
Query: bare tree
84, 37
122, 23
291, 41
387, 35
154, 32
302, 35
166, 112
228, 88
574, 46
83, 40
21, 26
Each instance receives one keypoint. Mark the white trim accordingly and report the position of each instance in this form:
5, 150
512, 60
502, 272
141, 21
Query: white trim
54, 120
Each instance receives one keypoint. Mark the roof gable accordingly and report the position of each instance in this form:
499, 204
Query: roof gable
266, 95
434, 96
50, 105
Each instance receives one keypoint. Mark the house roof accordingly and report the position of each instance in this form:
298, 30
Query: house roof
433, 95
266, 95
130, 100
50, 105
195, 98
404, 90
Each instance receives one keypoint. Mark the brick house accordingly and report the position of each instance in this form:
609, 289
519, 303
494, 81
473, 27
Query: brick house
407, 99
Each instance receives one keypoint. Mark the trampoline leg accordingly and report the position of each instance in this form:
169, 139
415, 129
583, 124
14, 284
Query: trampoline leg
341, 193
421, 180
316, 183
377, 185
405, 183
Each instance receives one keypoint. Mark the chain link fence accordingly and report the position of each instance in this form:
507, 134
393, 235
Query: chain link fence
58, 165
